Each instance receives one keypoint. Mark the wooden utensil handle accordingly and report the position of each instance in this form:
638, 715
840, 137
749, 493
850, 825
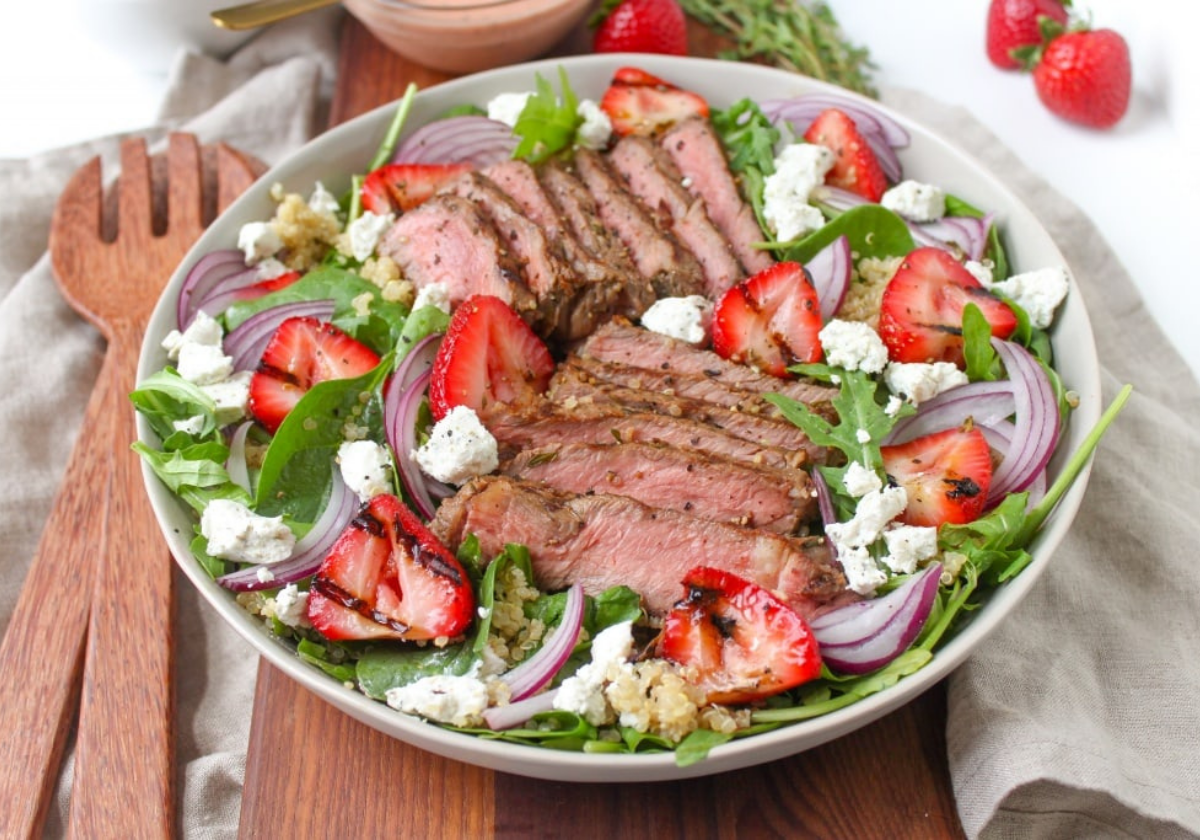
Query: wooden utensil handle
124, 770
43, 647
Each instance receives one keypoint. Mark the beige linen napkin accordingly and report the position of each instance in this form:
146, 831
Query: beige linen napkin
1078, 717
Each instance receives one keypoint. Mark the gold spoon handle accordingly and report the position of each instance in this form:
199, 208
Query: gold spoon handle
251, 15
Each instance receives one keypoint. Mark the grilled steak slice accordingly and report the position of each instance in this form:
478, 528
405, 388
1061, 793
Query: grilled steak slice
621, 342
545, 270
448, 240
600, 285
697, 154
579, 211
652, 177
573, 386
529, 426
706, 486
670, 269
601, 540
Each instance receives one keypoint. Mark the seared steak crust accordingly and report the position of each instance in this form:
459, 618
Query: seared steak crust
604, 540
705, 486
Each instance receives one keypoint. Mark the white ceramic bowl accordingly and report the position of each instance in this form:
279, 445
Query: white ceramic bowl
332, 157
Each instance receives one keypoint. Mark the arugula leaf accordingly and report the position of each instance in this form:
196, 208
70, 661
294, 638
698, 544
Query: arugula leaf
750, 139
546, 125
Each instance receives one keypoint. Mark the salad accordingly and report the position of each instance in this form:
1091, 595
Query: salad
344, 391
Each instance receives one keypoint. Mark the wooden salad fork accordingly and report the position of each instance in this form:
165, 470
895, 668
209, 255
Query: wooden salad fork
101, 571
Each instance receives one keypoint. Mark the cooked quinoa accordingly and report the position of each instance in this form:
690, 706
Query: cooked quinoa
307, 234
866, 291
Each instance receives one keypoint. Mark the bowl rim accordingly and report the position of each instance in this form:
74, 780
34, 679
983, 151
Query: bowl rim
579, 767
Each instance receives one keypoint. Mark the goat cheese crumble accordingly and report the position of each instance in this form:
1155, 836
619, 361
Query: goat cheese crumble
1037, 292
459, 448
852, 539
258, 241
507, 107
685, 318
436, 295
366, 231
445, 698
853, 345
234, 532
583, 693
596, 129
799, 168
918, 382
915, 201
366, 468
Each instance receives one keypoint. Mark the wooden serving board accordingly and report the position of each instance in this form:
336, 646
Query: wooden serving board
314, 772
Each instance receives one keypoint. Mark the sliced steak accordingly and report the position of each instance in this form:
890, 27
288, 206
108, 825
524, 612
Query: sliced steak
600, 285
706, 486
448, 240
544, 268
601, 540
573, 386
538, 424
669, 268
621, 342
652, 177
699, 157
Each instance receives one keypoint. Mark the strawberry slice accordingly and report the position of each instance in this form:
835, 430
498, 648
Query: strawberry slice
744, 643
946, 475
638, 102
389, 577
302, 352
921, 312
488, 355
770, 320
396, 187
855, 168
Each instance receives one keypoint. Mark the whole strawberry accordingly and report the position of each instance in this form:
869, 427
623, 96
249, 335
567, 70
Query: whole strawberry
1085, 77
648, 26
1012, 24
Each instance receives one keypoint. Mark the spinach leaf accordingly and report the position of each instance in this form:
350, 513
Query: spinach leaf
385, 667
873, 231
165, 397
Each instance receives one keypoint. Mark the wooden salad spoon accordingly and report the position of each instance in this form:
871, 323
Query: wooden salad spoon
101, 572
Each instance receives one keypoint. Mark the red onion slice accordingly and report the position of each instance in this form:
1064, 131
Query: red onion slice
400, 407
824, 503
830, 270
246, 343
235, 464
534, 674
306, 558
229, 290
883, 134
208, 270
968, 233
1037, 421
861, 637
471, 139
514, 714
418, 360
986, 403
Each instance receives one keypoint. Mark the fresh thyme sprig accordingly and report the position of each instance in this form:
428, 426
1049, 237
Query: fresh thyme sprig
801, 37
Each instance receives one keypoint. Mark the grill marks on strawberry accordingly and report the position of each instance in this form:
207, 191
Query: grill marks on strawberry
945, 474
745, 643
855, 167
921, 312
771, 320
389, 577
488, 356
303, 352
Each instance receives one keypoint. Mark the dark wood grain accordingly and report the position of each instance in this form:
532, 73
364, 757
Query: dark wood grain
314, 772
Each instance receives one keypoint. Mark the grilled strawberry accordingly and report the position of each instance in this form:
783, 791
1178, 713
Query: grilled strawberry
1085, 77
744, 642
946, 475
1013, 24
388, 576
648, 26
264, 287
301, 353
396, 187
770, 320
921, 313
855, 168
488, 355
640, 103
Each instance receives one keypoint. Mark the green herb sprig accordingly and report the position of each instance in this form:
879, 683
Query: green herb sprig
803, 38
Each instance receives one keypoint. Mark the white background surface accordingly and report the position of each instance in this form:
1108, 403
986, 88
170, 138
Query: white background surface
107, 67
